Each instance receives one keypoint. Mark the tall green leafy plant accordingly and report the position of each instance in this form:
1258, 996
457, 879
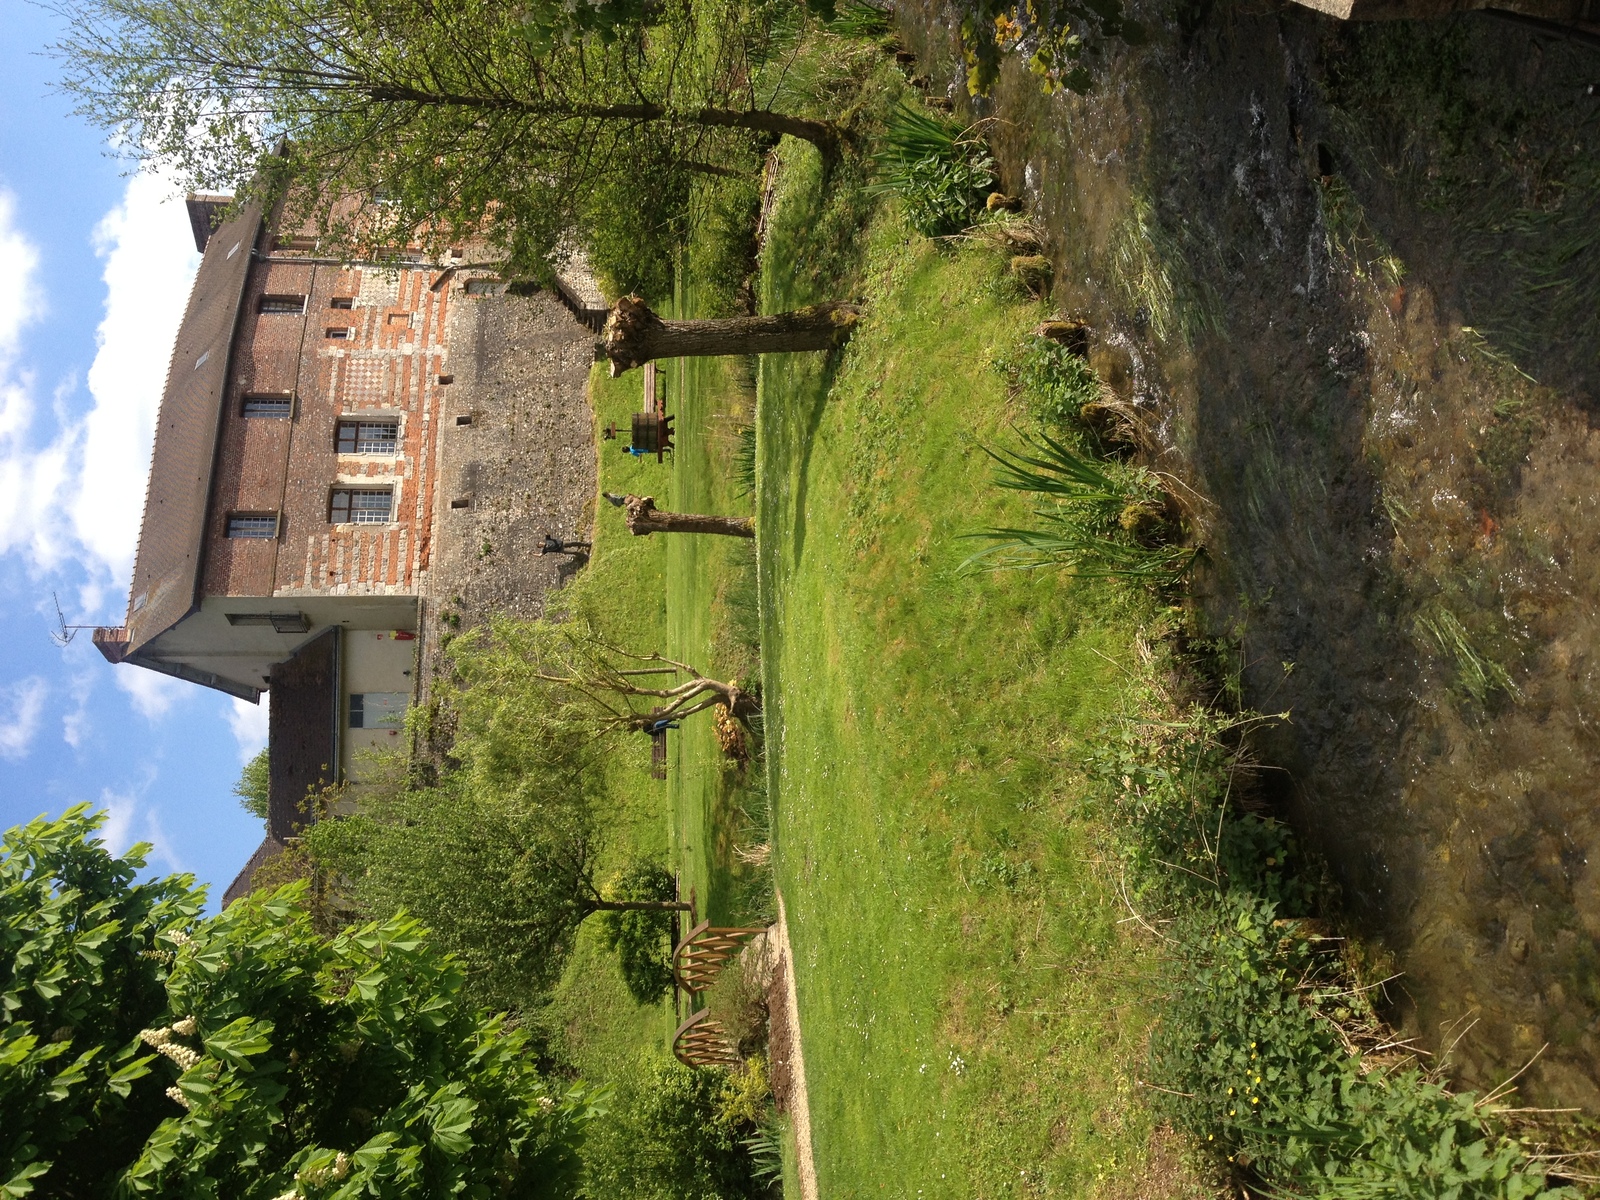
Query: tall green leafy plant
940, 171
145, 1051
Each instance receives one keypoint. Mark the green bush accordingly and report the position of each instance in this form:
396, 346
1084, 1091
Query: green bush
635, 220
1053, 382
940, 171
671, 1133
1263, 1044
146, 1051
642, 939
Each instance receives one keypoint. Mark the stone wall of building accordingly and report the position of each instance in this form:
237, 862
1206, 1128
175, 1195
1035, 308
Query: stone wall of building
517, 459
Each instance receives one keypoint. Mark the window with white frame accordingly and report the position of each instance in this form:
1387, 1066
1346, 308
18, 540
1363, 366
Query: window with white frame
283, 304
252, 525
361, 506
369, 437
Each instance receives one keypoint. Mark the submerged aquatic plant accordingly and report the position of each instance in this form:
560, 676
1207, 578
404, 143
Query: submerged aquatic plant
1476, 674
1103, 519
940, 170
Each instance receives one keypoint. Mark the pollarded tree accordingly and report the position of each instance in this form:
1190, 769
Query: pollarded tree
148, 1051
643, 518
635, 335
467, 117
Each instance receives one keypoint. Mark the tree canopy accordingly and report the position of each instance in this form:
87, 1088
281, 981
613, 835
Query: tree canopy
467, 117
148, 1051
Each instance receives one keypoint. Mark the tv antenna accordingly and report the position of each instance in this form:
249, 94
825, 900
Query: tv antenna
63, 633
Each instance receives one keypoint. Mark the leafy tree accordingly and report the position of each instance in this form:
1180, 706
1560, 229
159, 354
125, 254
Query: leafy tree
672, 1133
147, 1051
506, 881
254, 786
642, 938
472, 117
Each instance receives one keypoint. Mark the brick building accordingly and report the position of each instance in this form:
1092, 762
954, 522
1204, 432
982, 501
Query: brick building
331, 434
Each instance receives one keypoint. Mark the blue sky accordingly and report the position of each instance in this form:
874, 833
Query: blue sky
96, 267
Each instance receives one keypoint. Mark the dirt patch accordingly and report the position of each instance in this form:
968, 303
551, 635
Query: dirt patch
785, 1061
1166, 1174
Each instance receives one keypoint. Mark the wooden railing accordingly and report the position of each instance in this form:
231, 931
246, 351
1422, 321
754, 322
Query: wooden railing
703, 953
696, 962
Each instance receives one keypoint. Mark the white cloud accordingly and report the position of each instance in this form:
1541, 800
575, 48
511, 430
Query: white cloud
152, 693
249, 724
21, 712
150, 264
74, 491
129, 821
75, 724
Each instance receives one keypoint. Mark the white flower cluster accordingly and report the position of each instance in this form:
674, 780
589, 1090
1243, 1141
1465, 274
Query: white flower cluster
322, 1175
175, 1094
184, 1028
161, 1041
179, 938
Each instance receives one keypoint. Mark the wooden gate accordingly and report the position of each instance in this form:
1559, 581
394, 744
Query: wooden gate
702, 1042
702, 954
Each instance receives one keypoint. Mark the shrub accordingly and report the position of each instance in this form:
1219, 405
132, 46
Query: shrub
147, 1051
1268, 1048
940, 171
642, 939
670, 1135
1054, 383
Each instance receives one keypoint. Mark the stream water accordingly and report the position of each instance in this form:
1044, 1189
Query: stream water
1364, 311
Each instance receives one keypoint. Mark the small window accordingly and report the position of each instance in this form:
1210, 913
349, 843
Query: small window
360, 506
378, 710
268, 404
369, 437
484, 287
339, 332
296, 242
398, 319
283, 304
290, 622
342, 302
253, 525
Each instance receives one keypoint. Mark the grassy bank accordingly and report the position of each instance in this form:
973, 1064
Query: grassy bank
974, 1015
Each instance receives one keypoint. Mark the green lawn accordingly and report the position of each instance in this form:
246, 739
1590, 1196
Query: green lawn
972, 1013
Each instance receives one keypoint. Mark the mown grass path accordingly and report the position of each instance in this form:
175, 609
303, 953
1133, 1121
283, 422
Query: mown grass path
972, 1013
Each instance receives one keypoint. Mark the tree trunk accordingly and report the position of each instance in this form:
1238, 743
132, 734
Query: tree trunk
635, 335
642, 518
822, 134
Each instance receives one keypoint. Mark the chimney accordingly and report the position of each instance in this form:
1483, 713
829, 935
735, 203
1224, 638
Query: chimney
112, 643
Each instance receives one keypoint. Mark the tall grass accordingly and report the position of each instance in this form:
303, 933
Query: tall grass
939, 170
1102, 519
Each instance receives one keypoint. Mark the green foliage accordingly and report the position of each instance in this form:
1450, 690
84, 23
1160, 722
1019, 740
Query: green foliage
1475, 673
634, 220
722, 256
85, 954
253, 786
859, 19
668, 1136
940, 171
1061, 38
1054, 382
295, 1065
1260, 1046
503, 878
1102, 518
642, 938
469, 119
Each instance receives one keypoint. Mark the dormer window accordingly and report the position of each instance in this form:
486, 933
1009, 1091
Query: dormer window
369, 437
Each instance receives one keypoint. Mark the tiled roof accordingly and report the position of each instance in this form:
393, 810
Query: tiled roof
166, 573
270, 847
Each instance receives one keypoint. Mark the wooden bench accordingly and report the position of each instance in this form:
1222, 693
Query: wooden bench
658, 754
